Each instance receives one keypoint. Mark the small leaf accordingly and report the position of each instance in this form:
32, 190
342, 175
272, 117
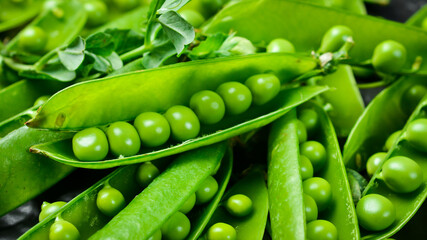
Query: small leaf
158, 56
115, 61
125, 39
171, 5
100, 43
59, 72
207, 48
178, 30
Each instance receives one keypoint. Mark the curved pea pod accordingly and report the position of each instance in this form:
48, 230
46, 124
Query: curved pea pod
252, 226
418, 17
355, 6
382, 117
406, 204
157, 90
164, 196
15, 14
306, 24
24, 175
288, 217
61, 23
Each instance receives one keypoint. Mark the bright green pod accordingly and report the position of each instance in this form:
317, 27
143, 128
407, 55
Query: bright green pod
14, 13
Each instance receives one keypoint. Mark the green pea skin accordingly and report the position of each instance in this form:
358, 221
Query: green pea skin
335, 38
239, 205
389, 56
374, 162
183, 122
146, 173
63, 230
316, 152
189, 204
321, 230
153, 129
206, 190
208, 106
391, 140
123, 139
156, 236
320, 190
310, 119
193, 17
411, 97
310, 207
110, 201
32, 39
280, 45
176, 227
97, 12
416, 134
264, 87
402, 174
301, 131
424, 24
49, 209
237, 97
90, 144
375, 212
125, 5
306, 167
221, 231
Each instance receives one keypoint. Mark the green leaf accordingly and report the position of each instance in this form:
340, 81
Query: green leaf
207, 48
56, 70
178, 30
158, 55
125, 39
100, 43
171, 5
100, 64
72, 57
115, 61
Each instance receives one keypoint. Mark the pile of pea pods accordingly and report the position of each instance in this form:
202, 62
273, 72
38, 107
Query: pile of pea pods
212, 120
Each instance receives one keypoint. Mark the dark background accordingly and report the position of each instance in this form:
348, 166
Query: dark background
17, 222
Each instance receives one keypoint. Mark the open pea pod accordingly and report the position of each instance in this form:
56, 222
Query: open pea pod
24, 175
252, 226
355, 6
15, 13
406, 204
164, 196
61, 23
417, 19
283, 148
384, 115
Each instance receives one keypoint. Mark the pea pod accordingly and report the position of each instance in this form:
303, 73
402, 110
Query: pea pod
16, 13
134, 20
418, 17
355, 6
283, 162
406, 204
24, 175
372, 129
252, 226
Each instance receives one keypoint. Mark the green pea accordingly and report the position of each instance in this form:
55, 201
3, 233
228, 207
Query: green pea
306, 167
402, 174
320, 190
316, 153
153, 129
239, 205
41, 100
208, 106
321, 230
310, 208
310, 119
389, 56
189, 204
206, 190
416, 134
411, 97
123, 139
242, 46
125, 5
97, 12
264, 87
176, 227
375, 212
110, 201
183, 121
146, 173
90, 145
221, 231
32, 39
63, 230
237, 97
391, 140
374, 162
193, 17
335, 38
156, 236
280, 45
424, 24
301, 131
49, 209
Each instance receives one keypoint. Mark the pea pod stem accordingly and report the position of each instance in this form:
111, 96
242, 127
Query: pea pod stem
136, 53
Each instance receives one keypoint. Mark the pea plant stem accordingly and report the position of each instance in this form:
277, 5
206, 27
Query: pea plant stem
136, 53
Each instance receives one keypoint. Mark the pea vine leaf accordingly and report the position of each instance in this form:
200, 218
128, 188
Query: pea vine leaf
178, 30
216, 45
171, 5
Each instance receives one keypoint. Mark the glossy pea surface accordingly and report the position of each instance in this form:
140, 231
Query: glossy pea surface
411, 97
310, 208
306, 167
237, 97
97, 12
63, 230
110, 201
389, 56
320, 190
183, 122
221, 231
416, 134
402, 174
375, 212
192, 17
208, 106
153, 128
280, 45
123, 139
334, 38
374, 162
321, 230
206, 190
156, 236
49, 209
239, 205
316, 152
176, 227
391, 140
33, 39
263, 87
146, 173
90, 144
125, 5
189, 204
310, 119
301, 131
